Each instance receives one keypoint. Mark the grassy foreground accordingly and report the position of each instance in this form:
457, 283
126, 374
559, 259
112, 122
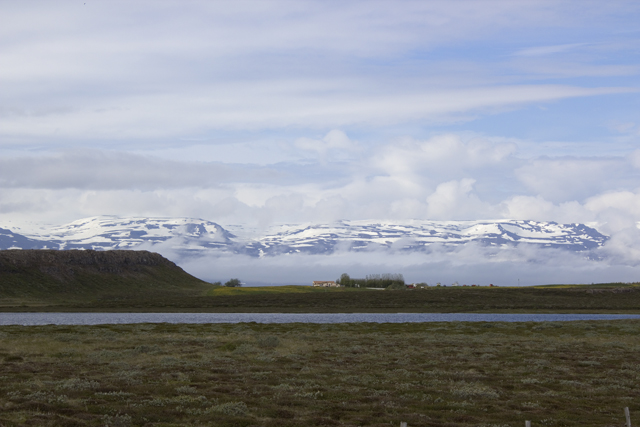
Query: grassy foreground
433, 374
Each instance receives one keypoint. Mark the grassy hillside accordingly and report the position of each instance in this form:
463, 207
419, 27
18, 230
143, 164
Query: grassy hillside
48, 276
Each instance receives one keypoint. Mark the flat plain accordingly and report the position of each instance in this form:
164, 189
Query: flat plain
603, 298
433, 374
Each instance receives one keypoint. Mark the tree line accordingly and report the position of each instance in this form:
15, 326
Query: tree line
232, 283
373, 281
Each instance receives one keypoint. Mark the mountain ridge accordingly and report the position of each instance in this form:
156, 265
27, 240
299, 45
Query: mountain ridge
195, 236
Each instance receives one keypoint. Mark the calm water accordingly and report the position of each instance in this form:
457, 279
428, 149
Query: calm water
112, 318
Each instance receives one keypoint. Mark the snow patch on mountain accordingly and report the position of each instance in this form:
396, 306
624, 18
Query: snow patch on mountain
193, 235
111, 232
417, 235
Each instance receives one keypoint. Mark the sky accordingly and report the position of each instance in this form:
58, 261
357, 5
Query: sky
267, 112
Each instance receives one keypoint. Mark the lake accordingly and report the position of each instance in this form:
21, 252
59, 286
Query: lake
120, 318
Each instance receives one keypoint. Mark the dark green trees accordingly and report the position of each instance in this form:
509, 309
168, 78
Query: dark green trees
233, 283
345, 281
372, 281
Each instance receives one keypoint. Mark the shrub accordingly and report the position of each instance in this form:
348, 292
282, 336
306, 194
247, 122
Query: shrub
268, 342
233, 283
186, 390
78, 384
232, 408
466, 390
118, 420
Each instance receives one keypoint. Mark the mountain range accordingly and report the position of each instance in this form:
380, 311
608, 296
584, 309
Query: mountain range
190, 236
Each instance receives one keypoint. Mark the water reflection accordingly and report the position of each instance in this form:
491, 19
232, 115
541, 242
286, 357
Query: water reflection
120, 318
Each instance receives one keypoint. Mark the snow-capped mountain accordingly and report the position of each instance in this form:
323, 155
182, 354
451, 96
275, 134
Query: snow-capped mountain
11, 240
189, 235
417, 235
111, 232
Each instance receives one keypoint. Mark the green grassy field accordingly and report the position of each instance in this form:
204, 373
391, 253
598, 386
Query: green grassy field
223, 290
433, 374
588, 299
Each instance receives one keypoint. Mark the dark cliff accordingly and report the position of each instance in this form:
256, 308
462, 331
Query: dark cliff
88, 273
66, 263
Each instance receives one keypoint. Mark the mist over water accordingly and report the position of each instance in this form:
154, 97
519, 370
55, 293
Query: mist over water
470, 264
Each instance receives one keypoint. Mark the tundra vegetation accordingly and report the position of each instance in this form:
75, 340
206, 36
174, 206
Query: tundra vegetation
430, 374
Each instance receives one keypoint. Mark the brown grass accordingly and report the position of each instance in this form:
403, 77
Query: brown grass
433, 374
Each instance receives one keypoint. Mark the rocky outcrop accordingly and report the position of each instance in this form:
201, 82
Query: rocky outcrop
49, 261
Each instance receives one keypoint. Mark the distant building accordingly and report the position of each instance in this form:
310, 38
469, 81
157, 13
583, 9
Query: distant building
325, 284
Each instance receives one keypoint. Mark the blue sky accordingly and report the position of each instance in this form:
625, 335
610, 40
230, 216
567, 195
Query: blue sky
263, 112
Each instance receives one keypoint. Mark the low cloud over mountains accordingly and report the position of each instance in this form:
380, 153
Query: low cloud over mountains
475, 251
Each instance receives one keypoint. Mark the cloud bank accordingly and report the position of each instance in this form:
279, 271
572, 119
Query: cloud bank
447, 177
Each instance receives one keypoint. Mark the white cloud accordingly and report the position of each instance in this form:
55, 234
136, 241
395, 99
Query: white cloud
566, 179
537, 208
624, 201
443, 155
95, 170
333, 146
443, 177
265, 105
112, 71
618, 211
548, 50
634, 158
455, 200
